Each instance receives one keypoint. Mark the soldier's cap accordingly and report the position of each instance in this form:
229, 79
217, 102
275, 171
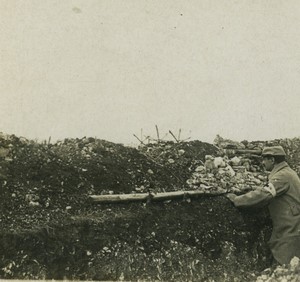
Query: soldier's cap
273, 151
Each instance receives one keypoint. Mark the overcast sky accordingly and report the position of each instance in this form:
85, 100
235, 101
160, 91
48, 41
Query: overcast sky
108, 68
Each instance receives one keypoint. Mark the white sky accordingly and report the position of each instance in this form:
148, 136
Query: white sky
107, 68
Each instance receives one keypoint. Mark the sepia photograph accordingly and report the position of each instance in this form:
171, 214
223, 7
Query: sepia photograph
150, 140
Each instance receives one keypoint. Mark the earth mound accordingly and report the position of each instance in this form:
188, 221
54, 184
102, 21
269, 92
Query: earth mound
50, 228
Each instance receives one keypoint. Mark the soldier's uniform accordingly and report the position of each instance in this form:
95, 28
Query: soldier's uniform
282, 195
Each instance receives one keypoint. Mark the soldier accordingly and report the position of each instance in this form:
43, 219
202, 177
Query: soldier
282, 195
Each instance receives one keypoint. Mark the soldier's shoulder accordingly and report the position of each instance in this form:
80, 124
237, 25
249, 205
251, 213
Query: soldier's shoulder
282, 174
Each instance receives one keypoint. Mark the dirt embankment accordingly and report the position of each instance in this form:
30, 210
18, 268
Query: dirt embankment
51, 230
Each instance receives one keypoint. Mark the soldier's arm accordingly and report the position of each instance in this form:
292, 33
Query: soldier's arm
279, 184
257, 198
262, 196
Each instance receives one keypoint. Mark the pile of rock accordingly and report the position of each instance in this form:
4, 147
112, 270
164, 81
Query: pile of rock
235, 174
238, 167
251, 149
290, 272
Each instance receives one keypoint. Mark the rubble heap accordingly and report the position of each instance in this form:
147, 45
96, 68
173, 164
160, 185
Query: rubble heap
178, 158
286, 273
291, 147
237, 169
229, 166
230, 175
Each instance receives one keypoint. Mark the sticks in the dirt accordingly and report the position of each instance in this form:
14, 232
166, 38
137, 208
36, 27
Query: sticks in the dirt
157, 133
139, 139
159, 139
179, 133
173, 136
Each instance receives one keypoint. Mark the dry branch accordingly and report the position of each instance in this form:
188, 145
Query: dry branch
179, 133
153, 197
138, 139
173, 136
157, 132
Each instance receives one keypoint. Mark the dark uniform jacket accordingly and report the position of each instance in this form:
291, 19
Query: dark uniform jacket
282, 194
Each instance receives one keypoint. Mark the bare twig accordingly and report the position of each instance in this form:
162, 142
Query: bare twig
157, 133
138, 139
150, 196
216, 147
164, 136
179, 133
146, 138
173, 136
186, 139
